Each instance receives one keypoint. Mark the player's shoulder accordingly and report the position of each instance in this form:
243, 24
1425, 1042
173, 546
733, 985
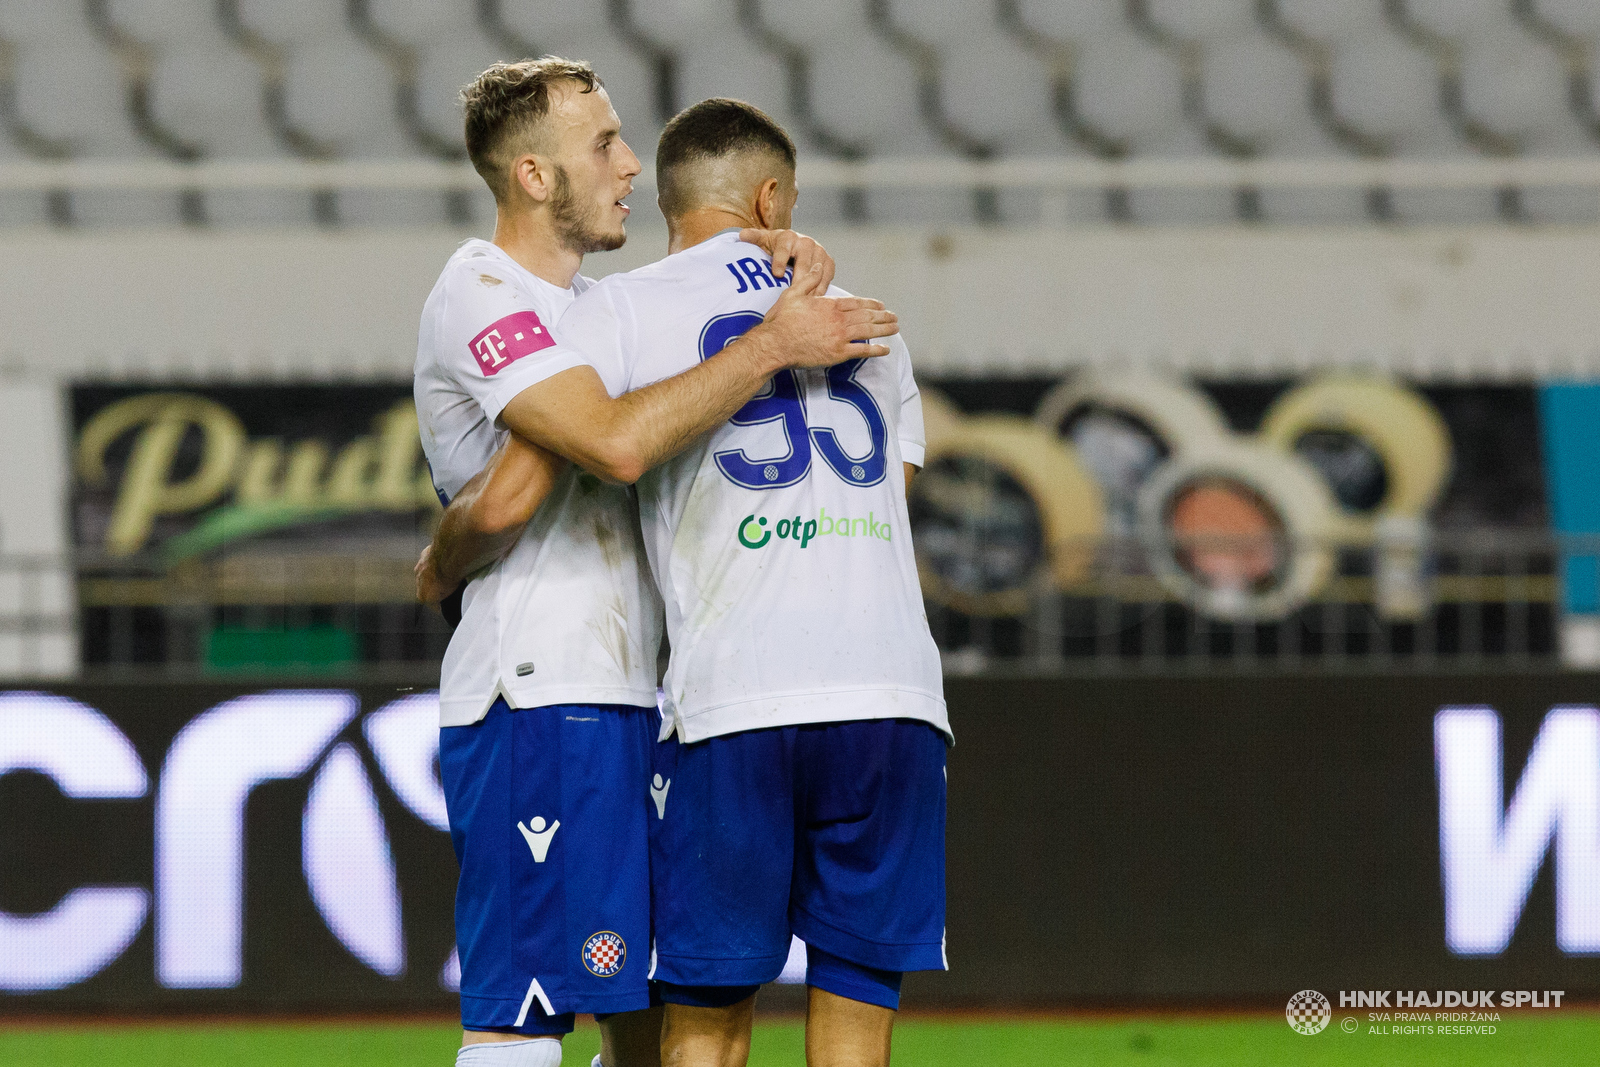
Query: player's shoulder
706, 260
478, 264
606, 292
667, 273
481, 280
689, 278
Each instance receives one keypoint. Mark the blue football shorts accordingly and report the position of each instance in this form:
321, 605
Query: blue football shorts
833, 832
548, 810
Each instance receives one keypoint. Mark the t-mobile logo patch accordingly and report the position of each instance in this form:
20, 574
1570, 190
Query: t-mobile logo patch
508, 340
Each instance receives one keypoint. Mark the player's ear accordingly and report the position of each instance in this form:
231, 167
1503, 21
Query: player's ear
530, 174
766, 206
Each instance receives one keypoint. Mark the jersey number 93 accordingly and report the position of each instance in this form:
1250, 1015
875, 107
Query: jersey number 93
782, 402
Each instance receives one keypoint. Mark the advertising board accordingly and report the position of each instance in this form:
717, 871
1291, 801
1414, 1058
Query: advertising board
1128, 840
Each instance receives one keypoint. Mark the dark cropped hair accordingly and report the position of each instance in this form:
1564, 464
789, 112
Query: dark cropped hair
505, 104
711, 129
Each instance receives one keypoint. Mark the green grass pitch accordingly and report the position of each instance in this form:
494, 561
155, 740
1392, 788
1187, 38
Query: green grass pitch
1557, 1038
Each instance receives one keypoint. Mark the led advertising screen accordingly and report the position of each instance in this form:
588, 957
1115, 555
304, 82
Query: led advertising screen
222, 847
202, 845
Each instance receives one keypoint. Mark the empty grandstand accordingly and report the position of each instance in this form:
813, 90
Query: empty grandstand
294, 112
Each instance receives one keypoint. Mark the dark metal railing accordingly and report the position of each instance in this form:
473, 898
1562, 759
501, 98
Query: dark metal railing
1481, 599
1472, 599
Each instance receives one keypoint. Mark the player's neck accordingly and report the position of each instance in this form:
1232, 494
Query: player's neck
535, 246
701, 224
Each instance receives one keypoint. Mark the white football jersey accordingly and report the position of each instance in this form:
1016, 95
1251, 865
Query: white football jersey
781, 541
570, 616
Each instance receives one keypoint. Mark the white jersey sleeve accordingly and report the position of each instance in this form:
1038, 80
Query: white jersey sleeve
913, 442
482, 300
493, 338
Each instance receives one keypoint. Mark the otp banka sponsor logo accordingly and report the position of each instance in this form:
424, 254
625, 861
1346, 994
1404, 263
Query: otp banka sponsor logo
755, 533
201, 793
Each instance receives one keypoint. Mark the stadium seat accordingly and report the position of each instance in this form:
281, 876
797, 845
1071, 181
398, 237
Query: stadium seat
927, 79
861, 86
207, 92
343, 93
1462, 18
86, 113
1084, 23
716, 57
991, 85
1127, 85
1392, 89
1332, 22
866, 92
1573, 16
578, 29
450, 48
1205, 20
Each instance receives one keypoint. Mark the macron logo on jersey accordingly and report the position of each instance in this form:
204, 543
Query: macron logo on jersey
508, 340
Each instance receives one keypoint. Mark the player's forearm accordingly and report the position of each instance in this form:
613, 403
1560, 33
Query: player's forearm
655, 423
488, 515
464, 543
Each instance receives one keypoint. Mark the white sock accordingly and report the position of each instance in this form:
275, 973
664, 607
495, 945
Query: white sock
534, 1052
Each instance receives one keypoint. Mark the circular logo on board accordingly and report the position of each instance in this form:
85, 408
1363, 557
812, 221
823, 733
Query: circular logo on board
1308, 1012
605, 952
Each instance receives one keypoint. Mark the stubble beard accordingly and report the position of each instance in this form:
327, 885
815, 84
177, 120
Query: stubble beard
578, 225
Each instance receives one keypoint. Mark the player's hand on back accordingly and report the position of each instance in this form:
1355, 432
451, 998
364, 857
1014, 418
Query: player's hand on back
807, 329
791, 251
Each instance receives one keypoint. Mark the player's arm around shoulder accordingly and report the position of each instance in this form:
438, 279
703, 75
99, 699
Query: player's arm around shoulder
619, 438
486, 517
574, 413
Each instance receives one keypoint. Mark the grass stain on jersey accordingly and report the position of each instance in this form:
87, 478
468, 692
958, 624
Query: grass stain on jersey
613, 631
612, 634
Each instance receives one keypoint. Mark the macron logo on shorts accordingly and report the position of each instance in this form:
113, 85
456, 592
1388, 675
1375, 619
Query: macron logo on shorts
538, 837
658, 793
508, 340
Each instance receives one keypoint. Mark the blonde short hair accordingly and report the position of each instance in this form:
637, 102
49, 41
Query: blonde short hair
505, 106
